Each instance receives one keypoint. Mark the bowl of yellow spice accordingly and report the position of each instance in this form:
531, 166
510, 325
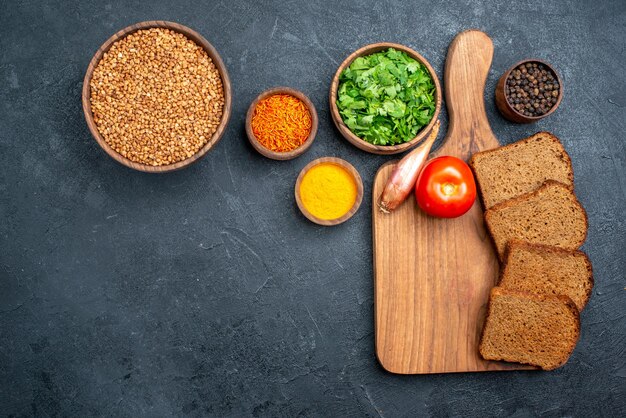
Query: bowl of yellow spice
329, 191
281, 123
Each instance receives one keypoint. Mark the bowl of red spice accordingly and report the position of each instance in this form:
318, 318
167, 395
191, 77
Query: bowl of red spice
281, 123
156, 96
529, 91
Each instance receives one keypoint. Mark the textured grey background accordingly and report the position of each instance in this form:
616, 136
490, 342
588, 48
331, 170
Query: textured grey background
205, 292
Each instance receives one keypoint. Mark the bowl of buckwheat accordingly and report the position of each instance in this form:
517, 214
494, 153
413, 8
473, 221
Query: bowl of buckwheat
157, 96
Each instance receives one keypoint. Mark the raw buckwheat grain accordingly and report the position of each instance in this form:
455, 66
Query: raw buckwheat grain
156, 97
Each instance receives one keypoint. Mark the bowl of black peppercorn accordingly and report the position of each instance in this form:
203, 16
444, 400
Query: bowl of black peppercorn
528, 91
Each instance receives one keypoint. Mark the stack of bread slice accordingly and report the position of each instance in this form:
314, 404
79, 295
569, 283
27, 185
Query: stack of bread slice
537, 225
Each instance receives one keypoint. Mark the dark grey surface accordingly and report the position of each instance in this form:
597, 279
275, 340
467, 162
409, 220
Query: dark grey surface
205, 292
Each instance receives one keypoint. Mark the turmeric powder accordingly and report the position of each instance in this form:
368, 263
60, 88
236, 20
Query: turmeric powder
328, 191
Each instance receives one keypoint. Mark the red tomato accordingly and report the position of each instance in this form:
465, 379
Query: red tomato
445, 188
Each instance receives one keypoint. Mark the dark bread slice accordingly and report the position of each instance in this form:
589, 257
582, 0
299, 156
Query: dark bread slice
512, 170
551, 215
541, 330
547, 270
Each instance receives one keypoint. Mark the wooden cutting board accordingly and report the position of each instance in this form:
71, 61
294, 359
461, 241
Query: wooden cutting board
432, 277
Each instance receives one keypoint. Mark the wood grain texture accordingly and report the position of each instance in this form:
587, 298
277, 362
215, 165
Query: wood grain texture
343, 128
289, 155
433, 276
211, 52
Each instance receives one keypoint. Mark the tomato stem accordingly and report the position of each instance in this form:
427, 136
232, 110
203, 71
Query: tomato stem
449, 189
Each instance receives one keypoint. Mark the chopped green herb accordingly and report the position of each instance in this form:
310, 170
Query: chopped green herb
386, 98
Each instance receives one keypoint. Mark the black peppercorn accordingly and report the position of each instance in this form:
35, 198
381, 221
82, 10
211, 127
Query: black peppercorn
531, 89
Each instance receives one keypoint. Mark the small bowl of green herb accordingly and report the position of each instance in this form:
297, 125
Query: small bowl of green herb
385, 98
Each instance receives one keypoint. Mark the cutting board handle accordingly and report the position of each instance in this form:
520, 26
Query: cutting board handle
467, 66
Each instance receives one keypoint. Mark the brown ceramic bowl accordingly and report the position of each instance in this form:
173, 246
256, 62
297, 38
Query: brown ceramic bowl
212, 53
347, 133
289, 154
508, 111
359, 197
